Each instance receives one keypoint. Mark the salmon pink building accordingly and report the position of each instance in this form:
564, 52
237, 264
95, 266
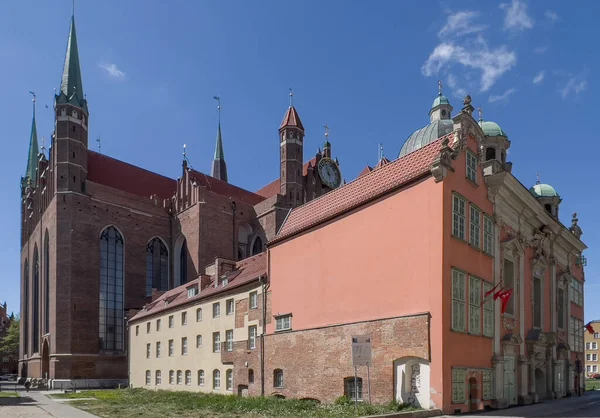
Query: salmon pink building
467, 284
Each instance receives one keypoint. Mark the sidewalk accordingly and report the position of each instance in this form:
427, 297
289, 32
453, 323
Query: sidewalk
36, 405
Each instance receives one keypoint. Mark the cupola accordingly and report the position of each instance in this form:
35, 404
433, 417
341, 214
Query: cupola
547, 196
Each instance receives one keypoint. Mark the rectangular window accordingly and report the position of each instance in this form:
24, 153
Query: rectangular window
183, 318
594, 357
488, 235
192, 291
474, 305
158, 324
588, 357
216, 310
283, 323
171, 321
148, 378
594, 345
198, 341
589, 368
229, 306
171, 377
577, 292
458, 385
537, 302
171, 348
216, 342
561, 308
595, 368
253, 300
509, 283
252, 332
158, 377
471, 166
198, 314
148, 349
488, 384
458, 217
184, 346
458, 300
588, 346
147, 327
488, 312
229, 339
158, 349
137, 330
354, 389
576, 331
475, 227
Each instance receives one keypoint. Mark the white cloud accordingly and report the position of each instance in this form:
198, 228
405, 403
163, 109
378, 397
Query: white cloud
492, 63
574, 86
551, 15
538, 78
458, 91
540, 49
461, 23
516, 18
503, 96
113, 71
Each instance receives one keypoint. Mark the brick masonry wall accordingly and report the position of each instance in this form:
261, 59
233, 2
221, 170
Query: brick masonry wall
315, 362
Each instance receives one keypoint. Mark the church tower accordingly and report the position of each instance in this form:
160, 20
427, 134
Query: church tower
291, 136
70, 138
219, 167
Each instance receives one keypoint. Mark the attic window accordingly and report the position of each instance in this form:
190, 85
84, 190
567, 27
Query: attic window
192, 291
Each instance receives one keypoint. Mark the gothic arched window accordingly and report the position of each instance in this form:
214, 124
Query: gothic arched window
111, 290
25, 318
183, 263
36, 301
157, 266
257, 247
46, 284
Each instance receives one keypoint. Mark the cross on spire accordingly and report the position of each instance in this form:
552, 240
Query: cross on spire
538, 178
291, 97
440, 87
326, 131
218, 99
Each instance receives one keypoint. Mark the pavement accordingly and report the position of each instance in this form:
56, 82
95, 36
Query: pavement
34, 404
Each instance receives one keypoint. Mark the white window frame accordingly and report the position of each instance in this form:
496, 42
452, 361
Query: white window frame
157, 377
148, 350
171, 321
216, 309
184, 346
278, 378
459, 306
252, 333
229, 379
487, 385
171, 348
474, 305
253, 300
171, 377
158, 349
183, 318
199, 341
200, 377
283, 322
188, 377
148, 377
595, 368
488, 312
459, 385
576, 292
216, 342
179, 377
158, 324
594, 345
230, 306
148, 327
471, 166
217, 379
459, 212
475, 226
229, 340
198, 314
488, 235
594, 357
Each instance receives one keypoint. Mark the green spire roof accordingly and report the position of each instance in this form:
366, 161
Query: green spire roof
71, 87
440, 100
34, 149
543, 190
219, 154
492, 129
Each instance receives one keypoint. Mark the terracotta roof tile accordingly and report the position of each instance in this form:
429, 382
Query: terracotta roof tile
246, 271
129, 178
225, 189
291, 118
273, 188
360, 191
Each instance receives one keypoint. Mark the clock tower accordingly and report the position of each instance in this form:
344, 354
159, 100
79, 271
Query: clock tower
291, 143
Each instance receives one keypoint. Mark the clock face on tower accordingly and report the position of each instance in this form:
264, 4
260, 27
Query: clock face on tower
329, 172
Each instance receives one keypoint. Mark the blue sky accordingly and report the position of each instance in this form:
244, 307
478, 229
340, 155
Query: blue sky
367, 69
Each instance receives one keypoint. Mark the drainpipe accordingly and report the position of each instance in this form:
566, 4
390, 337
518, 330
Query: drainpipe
265, 287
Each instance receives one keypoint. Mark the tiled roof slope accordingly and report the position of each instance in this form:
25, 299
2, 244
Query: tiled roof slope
365, 170
363, 189
225, 189
129, 178
291, 118
245, 272
273, 188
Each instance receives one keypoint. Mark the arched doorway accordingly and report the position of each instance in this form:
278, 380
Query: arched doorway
540, 384
45, 360
412, 381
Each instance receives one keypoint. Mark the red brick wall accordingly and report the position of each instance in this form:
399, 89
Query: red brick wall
316, 361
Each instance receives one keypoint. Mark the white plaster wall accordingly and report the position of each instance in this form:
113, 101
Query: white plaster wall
403, 370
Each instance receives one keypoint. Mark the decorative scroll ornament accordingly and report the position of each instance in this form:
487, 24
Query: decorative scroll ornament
509, 323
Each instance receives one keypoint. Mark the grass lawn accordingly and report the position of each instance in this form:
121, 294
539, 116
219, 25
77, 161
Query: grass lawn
592, 384
128, 403
5, 394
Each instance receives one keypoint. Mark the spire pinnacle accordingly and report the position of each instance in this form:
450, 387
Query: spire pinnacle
71, 87
480, 112
439, 87
32, 159
291, 98
538, 178
219, 167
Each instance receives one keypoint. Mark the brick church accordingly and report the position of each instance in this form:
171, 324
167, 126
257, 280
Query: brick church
100, 236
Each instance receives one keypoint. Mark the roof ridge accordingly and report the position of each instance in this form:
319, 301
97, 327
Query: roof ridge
131, 165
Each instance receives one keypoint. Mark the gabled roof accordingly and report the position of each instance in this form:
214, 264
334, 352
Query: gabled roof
273, 188
360, 191
291, 118
246, 271
225, 189
365, 170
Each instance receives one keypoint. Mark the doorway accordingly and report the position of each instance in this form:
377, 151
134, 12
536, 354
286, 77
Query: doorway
509, 380
45, 360
540, 384
473, 394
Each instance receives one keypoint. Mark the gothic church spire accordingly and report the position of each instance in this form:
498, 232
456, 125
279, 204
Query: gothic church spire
34, 149
71, 87
219, 167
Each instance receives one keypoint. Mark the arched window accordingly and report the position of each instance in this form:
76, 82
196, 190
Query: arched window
157, 266
111, 290
243, 233
158, 378
353, 388
200, 377
198, 314
179, 377
229, 379
46, 284
25, 319
183, 262
257, 247
188, 377
36, 301
490, 153
216, 379
277, 378
171, 377
250, 376
148, 378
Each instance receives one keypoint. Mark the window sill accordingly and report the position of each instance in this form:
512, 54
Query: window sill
475, 247
460, 239
282, 330
472, 182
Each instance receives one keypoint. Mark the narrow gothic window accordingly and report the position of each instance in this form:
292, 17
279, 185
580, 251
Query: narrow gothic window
111, 290
257, 247
36, 301
183, 261
46, 284
25, 319
157, 266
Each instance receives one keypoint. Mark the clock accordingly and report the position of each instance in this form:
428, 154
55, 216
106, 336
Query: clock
329, 172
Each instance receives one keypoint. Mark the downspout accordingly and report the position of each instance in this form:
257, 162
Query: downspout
265, 287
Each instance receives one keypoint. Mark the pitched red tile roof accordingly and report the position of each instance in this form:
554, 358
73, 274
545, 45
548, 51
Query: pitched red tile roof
129, 178
360, 191
365, 170
225, 189
381, 163
291, 118
273, 188
246, 271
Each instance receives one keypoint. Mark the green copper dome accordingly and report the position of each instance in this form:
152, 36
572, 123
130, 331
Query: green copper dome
492, 129
543, 190
426, 135
440, 100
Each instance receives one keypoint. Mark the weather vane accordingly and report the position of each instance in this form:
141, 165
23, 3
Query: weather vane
218, 99
291, 97
538, 178
99, 144
440, 87
326, 131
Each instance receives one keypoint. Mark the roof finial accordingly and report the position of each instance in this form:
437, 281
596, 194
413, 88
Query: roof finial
184, 152
99, 143
439, 87
73, 7
291, 97
538, 178
33, 101
480, 111
218, 99
326, 132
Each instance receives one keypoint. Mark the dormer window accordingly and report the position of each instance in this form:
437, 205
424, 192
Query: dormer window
192, 291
